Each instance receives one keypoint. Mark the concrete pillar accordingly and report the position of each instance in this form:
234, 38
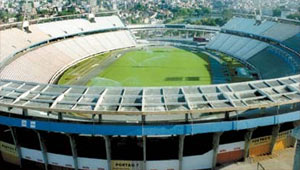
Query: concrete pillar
25, 112
100, 118
248, 137
216, 141
186, 117
43, 149
16, 143
59, 116
143, 119
297, 156
296, 135
180, 152
74, 151
275, 132
144, 153
108, 151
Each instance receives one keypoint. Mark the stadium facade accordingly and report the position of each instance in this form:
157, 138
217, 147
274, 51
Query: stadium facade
153, 128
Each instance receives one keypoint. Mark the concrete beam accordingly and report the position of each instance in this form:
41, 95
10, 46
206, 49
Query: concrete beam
248, 137
180, 152
43, 150
144, 152
297, 157
108, 151
216, 141
275, 132
74, 151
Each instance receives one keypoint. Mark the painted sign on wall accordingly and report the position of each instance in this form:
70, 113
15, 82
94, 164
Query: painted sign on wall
9, 153
126, 165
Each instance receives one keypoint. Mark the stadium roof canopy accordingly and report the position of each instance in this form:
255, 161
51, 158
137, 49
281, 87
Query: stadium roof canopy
150, 100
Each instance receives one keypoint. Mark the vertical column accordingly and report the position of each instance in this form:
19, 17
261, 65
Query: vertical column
144, 153
275, 132
74, 151
216, 141
100, 118
43, 149
297, 156
16, 143
180, 152
59, 116
108, 151
248, 137
186, 117
25, 112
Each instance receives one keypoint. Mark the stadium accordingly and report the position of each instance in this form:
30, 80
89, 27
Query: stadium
92, 93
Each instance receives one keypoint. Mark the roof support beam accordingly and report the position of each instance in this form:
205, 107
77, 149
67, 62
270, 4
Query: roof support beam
25, 94
261, 92
60, 97
36, 96
100, 99
164, 98
186, 99
236, 95
121, 102
226, 96
143, 100
81, 97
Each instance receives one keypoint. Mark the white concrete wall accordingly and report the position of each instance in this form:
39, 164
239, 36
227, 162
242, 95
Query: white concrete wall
163, 165
198, 162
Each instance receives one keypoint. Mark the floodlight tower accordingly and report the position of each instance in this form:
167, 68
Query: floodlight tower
25, 23
258, 16
91, 15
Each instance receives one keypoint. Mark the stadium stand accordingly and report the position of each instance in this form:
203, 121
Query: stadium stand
75, 26
41, 64
14, 39
293, 42
267, 59
260, 54
278, 31
241, 48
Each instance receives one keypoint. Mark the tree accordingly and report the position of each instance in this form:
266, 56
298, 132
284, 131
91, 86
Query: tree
277, 12
295, 16
227, 14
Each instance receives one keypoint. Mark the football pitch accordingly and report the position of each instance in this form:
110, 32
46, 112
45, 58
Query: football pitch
155, 66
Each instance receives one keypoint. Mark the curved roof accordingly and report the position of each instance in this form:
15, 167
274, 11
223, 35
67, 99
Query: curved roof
150, 100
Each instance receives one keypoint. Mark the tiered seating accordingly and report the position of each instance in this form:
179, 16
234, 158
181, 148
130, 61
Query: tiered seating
239, 47
41, 64
12, 40
271, 64
248, 25
107, 45
66, 27
294, 42
278, 31
282, 31
270, 61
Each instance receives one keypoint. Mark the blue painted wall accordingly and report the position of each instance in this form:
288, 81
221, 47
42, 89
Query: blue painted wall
138, 130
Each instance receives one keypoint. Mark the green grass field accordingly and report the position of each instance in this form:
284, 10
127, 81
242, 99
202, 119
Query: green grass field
81, 69
165, 66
